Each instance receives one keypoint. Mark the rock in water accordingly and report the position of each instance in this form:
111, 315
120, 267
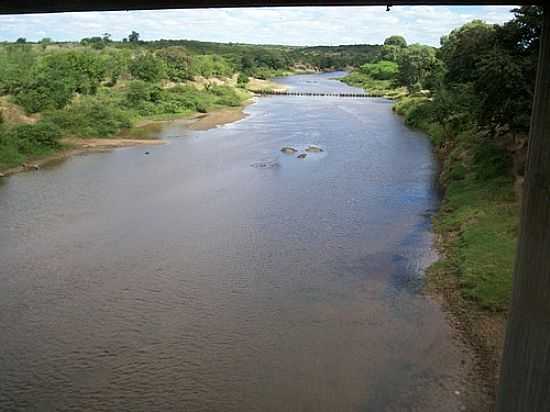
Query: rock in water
265, 164
301, 156
313, 149
288, 150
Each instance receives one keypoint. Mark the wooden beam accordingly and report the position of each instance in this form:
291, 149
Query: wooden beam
525, 374
51, 6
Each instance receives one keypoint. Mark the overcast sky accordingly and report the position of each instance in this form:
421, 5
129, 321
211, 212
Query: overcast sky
291, 26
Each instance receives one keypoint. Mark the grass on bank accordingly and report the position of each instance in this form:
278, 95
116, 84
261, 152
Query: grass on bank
374, 87
479, 216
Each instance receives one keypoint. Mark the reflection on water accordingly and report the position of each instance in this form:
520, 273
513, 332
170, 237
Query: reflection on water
188, 280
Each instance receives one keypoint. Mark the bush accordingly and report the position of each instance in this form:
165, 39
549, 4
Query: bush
226, 95
382, 70
140, 91
490, 161
29, 138
36, 97
90, 117
242, 81
148, 67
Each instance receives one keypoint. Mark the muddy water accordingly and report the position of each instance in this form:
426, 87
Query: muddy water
218, 274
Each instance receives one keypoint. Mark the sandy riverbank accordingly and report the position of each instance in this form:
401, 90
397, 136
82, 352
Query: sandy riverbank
78, 146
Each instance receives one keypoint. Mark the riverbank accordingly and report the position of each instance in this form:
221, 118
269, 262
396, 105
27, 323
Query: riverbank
135, 136
476, 228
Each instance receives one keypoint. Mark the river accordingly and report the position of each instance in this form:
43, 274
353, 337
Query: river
219, 274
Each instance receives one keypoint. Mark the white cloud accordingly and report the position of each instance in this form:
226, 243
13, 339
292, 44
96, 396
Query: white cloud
293, 26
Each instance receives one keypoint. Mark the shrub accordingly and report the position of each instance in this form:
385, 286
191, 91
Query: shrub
148, 67
90, 117
490, 161
30, 139
225, 95
382, 70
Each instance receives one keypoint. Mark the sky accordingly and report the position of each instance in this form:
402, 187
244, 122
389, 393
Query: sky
302, 26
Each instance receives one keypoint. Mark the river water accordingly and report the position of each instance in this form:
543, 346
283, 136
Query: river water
219, 274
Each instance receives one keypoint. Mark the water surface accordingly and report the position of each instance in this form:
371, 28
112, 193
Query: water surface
188, 280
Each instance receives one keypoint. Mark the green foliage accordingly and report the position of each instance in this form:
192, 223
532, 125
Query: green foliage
56, 77
15, 64
97, 42
462, 49
178, 63
398, 41
90, 117
18, 143
148, 67
242, 80
382, 70
140, 91
133, 37
416, 63
376, 88
225, 96
31, 137
484, 218
500, 64
211, 66
490, 161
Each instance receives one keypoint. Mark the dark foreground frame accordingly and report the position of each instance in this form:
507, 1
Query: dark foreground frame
51, 6
525, 376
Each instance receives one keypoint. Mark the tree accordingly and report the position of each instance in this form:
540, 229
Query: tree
148, 67
56, 77
21, 40
462, 49
133, 37
178, 63
398, 41
416, 63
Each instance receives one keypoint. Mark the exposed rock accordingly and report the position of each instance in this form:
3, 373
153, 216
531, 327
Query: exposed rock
313, 149
288, 150
147, 153
2, 175
301, 156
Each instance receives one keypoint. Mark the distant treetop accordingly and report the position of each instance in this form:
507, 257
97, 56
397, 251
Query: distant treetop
395, 41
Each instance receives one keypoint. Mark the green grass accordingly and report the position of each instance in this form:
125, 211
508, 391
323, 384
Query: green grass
480, 219
479, 216
375, 88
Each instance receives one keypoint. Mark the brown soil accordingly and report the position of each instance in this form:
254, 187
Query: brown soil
255, 85
217, 118
11, 113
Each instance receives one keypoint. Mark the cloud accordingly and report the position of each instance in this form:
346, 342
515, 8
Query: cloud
291, 26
